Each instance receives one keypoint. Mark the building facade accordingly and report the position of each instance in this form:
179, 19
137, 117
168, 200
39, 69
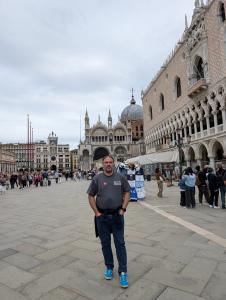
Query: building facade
23, 152
74, 159
7, 161
40, 155
187, 98
122, 140
52, 156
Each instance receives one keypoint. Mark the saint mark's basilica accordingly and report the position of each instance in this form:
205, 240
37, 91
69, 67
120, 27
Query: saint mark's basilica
122, 140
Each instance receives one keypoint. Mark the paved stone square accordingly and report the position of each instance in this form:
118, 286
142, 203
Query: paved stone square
48, 248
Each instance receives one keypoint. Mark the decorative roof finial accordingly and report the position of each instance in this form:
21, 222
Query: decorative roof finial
132, 100
99, 118
186, 22
197, 4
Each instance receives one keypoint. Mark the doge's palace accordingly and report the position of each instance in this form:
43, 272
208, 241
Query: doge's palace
187, 97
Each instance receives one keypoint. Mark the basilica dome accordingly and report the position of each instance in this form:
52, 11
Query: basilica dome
132, 112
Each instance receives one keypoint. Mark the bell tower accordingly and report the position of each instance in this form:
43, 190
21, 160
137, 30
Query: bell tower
109, 119
87, 127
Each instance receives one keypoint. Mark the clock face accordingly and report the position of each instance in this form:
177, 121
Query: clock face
53, 158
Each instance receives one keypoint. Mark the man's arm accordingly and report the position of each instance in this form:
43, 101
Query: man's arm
126, 199
92, 203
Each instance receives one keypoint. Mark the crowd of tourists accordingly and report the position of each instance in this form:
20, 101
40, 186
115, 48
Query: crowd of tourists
209, 185
24, 179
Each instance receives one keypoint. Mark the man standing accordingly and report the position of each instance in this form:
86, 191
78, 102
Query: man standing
202, 183
108, 196
220, 180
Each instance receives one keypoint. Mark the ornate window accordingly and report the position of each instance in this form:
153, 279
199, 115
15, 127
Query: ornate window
178, 87
198, 68
162, 102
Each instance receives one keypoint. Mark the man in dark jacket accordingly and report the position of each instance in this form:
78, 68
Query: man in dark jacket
220, 180
202, 185
214, 188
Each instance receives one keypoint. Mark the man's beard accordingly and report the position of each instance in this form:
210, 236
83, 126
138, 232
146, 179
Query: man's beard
108, 170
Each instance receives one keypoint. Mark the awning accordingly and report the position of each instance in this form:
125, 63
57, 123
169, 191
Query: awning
154, 158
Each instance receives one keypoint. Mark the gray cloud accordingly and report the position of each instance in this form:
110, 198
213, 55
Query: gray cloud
59, 57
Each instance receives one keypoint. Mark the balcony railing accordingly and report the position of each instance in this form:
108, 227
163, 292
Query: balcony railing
220, 128
197, 87
212, 130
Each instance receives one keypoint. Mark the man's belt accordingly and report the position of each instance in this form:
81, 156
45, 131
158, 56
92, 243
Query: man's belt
109, 211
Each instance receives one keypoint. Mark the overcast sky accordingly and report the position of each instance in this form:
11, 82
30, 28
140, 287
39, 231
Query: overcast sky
59, 57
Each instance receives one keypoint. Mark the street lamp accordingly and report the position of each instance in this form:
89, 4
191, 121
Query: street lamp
180, 143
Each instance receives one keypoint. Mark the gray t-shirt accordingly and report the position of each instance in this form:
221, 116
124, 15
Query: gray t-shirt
108, 190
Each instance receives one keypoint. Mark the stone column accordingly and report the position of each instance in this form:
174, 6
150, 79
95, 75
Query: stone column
188, 163
185, 132
190, 133
201, 125
212, 163
224, 118
199, 162
195, 127
208, 124
215, 120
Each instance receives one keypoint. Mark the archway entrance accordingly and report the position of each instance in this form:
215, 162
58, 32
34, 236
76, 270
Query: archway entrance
191, 157
120, 153
53, 168
204, 156
100, 153
218, 152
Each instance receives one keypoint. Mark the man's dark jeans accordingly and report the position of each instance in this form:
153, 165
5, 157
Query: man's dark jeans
190, 196
223, 192
214, 194
203, 190
114, 224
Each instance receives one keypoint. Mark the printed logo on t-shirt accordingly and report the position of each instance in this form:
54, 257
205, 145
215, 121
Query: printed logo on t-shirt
117, 183
104, 183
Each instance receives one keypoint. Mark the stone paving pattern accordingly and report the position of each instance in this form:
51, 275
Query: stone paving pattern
48, 249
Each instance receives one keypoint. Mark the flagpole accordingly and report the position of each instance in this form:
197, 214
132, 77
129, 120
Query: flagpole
30, 147
28, 123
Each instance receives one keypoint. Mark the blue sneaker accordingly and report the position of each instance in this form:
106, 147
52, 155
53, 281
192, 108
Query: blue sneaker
123, 280
108, 274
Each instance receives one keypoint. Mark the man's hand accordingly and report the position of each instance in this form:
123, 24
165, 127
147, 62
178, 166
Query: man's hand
121, 212
92, 203
98, 214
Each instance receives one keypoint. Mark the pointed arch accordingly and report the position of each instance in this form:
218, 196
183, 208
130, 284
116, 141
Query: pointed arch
150, 112
221, 12
162, 102
178, 87
198, 68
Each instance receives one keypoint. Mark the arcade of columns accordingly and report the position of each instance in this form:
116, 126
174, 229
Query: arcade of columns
204, 120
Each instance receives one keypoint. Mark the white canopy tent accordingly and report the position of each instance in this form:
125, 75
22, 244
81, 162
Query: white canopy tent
154, 158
